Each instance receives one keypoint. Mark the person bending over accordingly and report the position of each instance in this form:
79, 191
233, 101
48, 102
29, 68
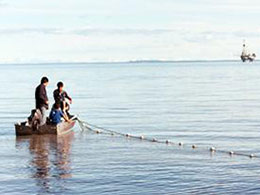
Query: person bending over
56, 115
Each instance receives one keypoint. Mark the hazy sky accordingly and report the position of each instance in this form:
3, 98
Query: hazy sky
121, 30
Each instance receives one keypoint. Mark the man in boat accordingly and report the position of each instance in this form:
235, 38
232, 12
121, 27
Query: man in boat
56, 115
60, 97
42, 102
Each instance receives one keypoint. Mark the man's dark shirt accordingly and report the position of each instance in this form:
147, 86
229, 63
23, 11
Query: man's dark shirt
60, 97
41, 96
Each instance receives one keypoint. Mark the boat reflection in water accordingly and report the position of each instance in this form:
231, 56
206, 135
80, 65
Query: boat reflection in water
50, 159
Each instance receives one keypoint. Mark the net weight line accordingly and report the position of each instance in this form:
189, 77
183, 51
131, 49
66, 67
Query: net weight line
100, 130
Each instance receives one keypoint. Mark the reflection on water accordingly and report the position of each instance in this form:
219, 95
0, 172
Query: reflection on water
50, 158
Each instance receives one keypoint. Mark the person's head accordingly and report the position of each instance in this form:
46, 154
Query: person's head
56, 106
60, 86
44, 81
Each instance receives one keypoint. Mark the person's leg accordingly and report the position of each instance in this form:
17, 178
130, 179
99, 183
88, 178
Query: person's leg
44, 116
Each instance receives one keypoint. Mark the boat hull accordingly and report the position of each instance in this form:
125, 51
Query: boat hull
21, 129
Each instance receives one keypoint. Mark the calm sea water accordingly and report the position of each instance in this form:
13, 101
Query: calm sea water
207, 104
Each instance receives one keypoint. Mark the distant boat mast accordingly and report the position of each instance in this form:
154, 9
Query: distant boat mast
245, 56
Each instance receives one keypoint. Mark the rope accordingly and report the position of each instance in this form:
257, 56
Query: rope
101, 130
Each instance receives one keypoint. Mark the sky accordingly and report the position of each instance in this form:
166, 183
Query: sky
36, 31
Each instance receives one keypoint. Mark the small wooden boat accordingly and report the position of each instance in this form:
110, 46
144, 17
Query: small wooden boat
22, 129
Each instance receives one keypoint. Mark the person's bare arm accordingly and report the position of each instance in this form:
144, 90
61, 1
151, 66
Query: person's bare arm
68, 97
66, 118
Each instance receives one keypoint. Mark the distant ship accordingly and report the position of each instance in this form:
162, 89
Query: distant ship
245, 56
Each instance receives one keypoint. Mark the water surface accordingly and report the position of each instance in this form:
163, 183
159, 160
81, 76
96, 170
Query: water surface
203, 103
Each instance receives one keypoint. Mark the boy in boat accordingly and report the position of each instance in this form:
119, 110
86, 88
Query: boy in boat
42, 99
56, 115
60, 97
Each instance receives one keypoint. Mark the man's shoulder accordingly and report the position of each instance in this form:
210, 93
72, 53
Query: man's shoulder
38, 86
41, 86
56, 91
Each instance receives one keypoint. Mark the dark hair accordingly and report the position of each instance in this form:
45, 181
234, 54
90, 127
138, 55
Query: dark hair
56, 105
60, 84
44, 80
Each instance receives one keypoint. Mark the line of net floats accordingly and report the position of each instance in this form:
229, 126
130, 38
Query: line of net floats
100, 130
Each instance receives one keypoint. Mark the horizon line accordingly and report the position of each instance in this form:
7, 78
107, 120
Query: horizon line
119, 62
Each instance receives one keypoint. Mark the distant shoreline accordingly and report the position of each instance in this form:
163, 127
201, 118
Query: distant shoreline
124, 62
